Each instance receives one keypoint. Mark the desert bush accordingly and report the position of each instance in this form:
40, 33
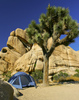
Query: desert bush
60, 76
64, 77
7, 75
77, 70
38, 76
67, 79
77, 74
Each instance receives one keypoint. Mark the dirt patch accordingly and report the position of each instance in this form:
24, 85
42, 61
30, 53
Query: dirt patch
54, 92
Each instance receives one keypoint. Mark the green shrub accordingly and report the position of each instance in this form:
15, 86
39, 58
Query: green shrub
64, 77
60, 76
55, 77
7, 75
77, 70
76, 75
37, 75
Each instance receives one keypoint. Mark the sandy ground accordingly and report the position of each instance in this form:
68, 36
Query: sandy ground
54, 92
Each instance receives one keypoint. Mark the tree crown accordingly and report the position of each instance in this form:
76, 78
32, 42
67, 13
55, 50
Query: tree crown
54, 23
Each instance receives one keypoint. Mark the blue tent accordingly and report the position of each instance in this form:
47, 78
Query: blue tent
21, 79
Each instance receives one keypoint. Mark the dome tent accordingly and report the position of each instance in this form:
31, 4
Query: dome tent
21, 79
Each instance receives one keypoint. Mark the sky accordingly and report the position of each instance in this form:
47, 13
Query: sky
19, 14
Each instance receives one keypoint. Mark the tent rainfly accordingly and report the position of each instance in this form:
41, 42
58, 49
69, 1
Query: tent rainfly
21, 79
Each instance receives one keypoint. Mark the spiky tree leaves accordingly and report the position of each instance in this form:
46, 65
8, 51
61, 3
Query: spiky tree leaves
54, 23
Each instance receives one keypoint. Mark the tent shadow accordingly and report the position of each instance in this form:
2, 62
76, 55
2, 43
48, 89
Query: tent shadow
29, 87
20, 94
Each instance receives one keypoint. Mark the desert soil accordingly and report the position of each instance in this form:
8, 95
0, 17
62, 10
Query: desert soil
54, 92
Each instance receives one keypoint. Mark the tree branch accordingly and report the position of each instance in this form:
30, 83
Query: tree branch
65, 41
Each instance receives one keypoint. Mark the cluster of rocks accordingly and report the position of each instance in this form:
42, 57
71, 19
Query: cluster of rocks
21, 56
17, 45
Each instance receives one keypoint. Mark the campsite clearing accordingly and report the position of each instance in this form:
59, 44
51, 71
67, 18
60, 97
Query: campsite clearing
55, 92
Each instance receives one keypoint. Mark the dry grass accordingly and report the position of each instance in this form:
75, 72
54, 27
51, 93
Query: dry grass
67, 79
73, 78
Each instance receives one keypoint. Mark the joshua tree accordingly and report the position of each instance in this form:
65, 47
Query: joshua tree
54, 23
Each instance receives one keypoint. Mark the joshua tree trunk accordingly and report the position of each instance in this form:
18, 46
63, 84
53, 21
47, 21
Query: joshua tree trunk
45, 71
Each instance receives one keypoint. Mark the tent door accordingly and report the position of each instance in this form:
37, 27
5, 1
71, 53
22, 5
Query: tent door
17, 83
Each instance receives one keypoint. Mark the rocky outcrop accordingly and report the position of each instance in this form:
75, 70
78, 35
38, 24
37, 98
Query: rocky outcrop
18, 41
62, 59
31, 60
7, 59
9, 55
17, 46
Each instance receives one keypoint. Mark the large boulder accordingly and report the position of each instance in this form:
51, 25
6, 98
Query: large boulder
14, 43
8, 58
6, 91
63, 59
16, 93
29, 61
18, 41
21, 34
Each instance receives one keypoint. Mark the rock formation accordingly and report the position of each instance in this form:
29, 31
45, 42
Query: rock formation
18, 41
31, 60
62, 59
17, 46
18, 56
